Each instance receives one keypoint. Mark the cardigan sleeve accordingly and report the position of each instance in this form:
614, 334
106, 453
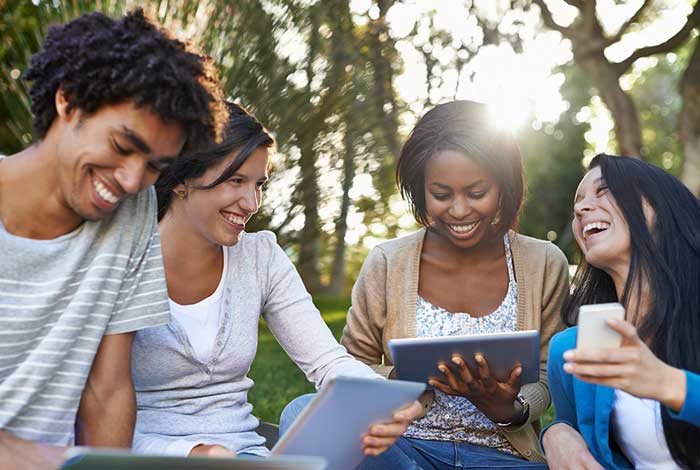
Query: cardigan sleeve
299, 328
554, 292
690, 412
362, 335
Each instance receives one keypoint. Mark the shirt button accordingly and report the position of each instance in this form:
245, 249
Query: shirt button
218, 343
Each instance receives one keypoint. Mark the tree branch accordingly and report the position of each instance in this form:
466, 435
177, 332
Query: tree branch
549, 20
590, 24
575, 3
670, 44
626, 25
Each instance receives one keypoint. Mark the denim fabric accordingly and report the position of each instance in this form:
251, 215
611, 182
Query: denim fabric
421, 454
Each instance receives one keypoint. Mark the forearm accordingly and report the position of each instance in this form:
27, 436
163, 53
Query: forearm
565, 448
18, 454
106, 418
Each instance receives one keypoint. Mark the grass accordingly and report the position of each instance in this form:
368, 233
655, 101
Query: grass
278, 380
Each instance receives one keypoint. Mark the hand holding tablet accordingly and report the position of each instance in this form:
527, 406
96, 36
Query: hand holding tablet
488, 369
416, 359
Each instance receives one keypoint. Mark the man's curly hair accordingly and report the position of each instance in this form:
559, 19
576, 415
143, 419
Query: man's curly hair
97, 60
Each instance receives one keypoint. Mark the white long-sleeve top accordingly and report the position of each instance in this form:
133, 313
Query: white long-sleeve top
183, 401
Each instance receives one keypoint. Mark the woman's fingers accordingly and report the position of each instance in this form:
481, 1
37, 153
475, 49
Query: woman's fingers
463, 369
514, 377
603, 355
449, 376
442, 386
409, 413
484, 371
599, 370
627, 330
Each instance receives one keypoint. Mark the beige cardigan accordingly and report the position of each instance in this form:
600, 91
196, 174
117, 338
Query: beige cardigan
384, 307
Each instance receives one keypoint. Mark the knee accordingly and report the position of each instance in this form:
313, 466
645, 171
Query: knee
293, 410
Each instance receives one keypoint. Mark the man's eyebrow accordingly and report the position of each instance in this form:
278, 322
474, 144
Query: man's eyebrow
136, 140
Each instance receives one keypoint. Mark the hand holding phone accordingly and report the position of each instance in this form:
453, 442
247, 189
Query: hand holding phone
593, 330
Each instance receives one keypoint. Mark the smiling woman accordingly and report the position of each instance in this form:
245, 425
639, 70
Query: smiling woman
191, 377
636, 406
467, 271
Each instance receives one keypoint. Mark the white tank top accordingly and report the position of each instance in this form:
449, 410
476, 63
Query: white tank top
201, 320
638, 430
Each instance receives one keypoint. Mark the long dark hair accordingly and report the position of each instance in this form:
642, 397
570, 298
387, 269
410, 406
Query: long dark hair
666, 256
242, 134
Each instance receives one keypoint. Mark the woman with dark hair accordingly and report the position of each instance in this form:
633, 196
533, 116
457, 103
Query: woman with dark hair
191, 375
466, 271
637, 406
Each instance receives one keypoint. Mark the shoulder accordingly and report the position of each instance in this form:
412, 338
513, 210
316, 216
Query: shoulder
263, 239
139, 206
562, 342
403, 244
260, 245
136, 213
534, 248
132, 223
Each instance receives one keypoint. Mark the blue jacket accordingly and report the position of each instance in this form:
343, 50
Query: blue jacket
587, 407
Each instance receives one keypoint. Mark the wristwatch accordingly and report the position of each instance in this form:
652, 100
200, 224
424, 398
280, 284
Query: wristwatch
526, 411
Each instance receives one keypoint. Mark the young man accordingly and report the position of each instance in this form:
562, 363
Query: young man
80, 265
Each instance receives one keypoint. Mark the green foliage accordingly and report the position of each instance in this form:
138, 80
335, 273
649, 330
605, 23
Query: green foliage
22, 29
553, 166
659, 102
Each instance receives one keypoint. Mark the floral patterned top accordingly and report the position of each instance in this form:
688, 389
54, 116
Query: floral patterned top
456, 418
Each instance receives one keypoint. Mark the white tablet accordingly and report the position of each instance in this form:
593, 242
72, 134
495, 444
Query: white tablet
84, 458
332, 424
417, 359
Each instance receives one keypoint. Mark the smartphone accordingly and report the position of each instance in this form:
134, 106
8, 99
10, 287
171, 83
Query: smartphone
593, 331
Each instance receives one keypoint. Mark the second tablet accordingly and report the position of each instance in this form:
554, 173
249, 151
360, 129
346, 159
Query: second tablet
416, 359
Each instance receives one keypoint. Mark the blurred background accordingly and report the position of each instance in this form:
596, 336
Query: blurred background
340, 83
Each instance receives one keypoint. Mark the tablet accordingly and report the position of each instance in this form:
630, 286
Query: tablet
84, 458
417, 359
332, 424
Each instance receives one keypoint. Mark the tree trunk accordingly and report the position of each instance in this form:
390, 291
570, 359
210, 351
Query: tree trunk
310, 236
623, 110
690, 122
335, 288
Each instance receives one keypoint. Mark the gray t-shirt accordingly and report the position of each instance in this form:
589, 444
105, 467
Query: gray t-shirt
58, 298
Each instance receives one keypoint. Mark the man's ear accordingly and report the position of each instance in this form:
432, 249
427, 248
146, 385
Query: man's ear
62, 103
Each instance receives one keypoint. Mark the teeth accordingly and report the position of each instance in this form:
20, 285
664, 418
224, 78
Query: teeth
104, 192
594, 226
464, 228
234, 219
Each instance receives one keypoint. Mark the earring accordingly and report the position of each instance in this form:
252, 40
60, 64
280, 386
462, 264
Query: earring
181, 194
496, 220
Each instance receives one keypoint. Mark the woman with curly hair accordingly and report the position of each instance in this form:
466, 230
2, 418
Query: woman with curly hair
115, 101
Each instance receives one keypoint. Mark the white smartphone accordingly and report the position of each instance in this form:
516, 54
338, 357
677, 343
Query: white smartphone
593, 331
